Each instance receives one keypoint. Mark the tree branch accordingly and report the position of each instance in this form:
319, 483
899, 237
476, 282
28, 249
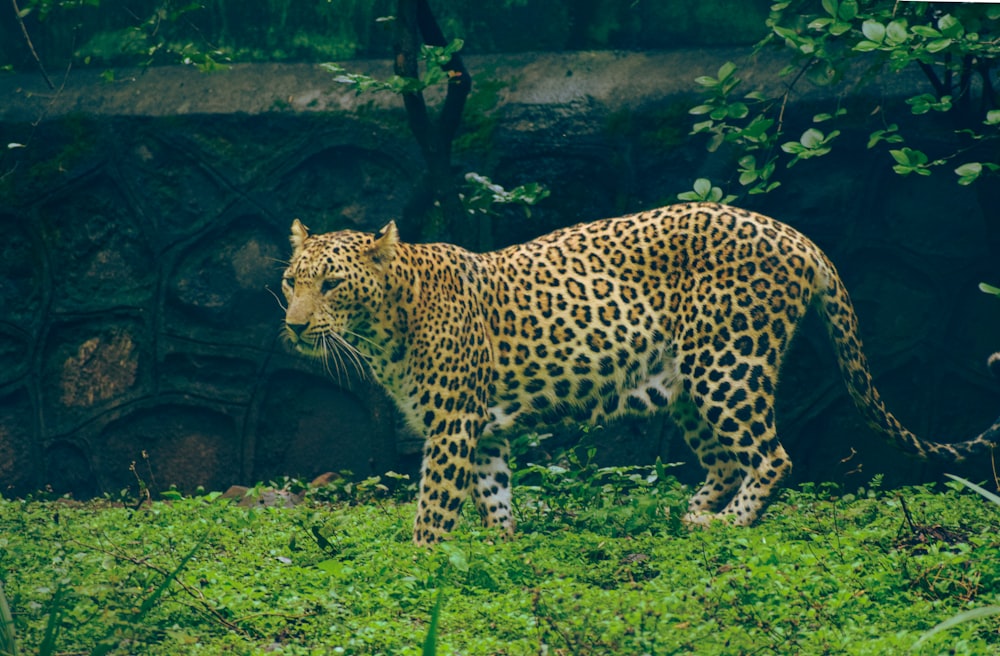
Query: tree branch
940, 88
31, 46
406, 65
459, 80
415, 24
989, 99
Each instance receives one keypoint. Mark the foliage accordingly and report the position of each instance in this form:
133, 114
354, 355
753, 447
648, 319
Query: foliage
973, 613
989, 289
844, 42
433, 58
574, 490
8, 641
483, 196
601, 565
705, 192
282, 30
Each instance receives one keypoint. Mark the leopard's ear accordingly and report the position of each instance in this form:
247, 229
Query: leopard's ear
299, 235
386, 240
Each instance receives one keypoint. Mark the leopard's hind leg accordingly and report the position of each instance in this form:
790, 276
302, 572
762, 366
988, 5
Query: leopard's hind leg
745, 440
722, 471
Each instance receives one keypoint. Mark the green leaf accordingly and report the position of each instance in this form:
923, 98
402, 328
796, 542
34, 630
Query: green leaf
830, 7
900, 156
955, 620
992, 117
820, 118
968, 173
896, 32
820, 23
950, 26
785, 32
909, 161
719, 113
430, 642
873, 31
726, 70
989, 289
972, 168
840, 28
888, 135
925, 31
848, 10
704, 191
702, 126
48, 645
811, 138
938, 45
738, 110
866, 46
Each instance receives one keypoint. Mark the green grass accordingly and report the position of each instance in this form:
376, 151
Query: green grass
600, 566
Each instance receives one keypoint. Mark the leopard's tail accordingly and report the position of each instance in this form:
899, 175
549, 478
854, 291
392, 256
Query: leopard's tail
842, 326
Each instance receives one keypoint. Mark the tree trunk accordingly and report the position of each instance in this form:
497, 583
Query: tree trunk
415, 24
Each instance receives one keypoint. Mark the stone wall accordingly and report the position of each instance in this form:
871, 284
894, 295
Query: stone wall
139, 315
145, 224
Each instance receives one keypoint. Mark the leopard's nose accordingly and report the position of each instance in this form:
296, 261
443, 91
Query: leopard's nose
297, 329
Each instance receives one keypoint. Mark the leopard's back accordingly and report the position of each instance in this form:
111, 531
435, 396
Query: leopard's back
626, 315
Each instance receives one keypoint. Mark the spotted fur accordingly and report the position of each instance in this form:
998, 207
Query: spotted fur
686, 310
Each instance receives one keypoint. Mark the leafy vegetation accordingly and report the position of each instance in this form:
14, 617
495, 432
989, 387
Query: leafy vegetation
109, 33
601, 565
851, 43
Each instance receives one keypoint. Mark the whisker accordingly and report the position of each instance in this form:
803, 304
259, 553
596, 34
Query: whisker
367, 340
352, 355
331, 346
276, 297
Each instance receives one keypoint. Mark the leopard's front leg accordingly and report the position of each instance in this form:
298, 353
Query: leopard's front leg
492, 490
446, 478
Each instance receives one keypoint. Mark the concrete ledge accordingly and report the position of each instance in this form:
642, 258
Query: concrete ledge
617, 80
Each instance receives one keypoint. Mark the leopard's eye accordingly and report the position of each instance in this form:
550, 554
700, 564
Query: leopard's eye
329, 285
290, 281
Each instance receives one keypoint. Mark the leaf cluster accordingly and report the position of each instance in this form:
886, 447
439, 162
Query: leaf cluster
836, 42
433, 58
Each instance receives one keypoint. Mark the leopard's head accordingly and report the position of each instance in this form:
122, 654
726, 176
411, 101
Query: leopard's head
333, 285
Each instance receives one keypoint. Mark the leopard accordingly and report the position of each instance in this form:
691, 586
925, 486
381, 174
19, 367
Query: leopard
686, 311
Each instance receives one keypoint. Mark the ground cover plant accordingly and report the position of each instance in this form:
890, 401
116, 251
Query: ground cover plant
601, 565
